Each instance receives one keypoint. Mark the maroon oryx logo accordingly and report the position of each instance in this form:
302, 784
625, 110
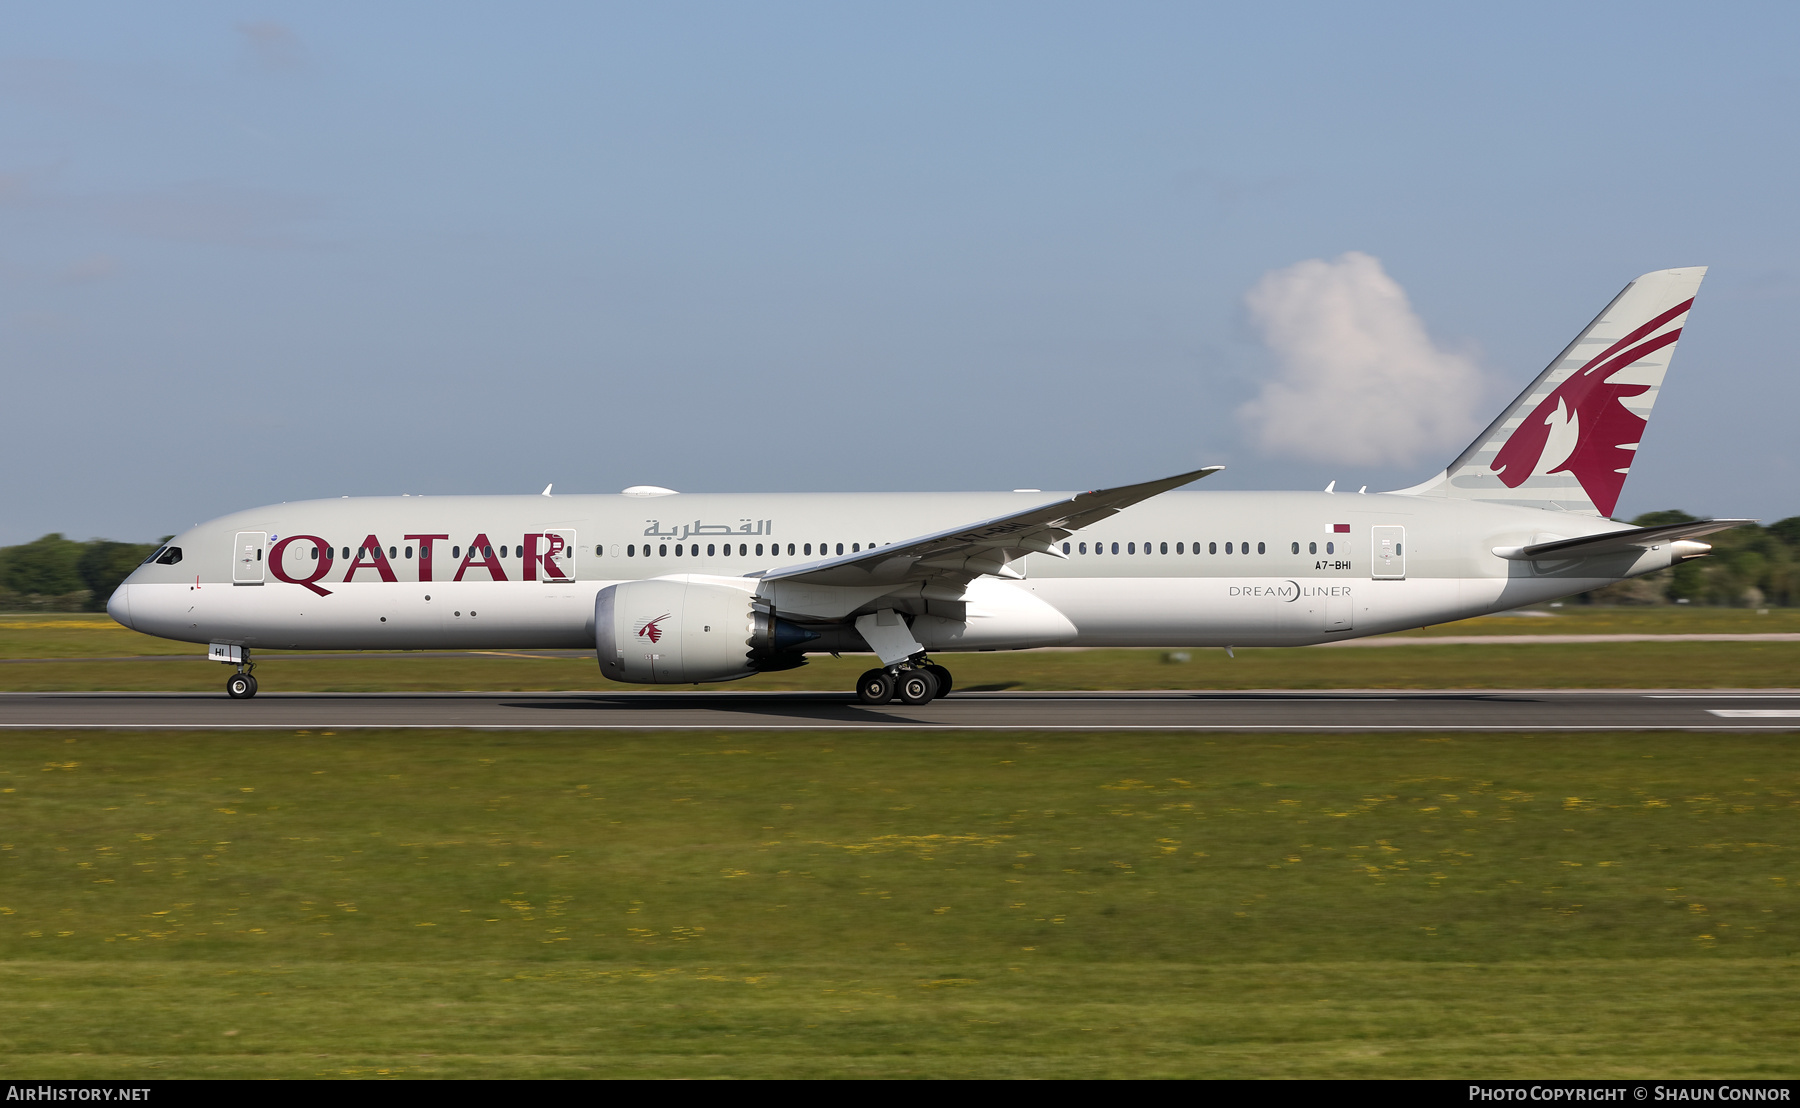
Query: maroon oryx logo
1590, 409
650, 629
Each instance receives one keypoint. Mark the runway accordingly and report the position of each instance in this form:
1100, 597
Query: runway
1336, 710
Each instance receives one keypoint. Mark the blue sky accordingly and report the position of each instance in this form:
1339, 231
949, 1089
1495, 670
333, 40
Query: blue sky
252, 253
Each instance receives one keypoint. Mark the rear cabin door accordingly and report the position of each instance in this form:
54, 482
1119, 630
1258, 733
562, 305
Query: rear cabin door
247, 557
1388, 558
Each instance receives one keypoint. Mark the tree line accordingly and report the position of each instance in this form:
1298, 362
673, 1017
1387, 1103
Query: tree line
55, 574
1751, 566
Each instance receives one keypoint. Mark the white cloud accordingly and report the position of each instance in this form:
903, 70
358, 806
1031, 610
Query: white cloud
1361, 382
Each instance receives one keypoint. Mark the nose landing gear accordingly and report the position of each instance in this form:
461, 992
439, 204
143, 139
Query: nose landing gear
917, 682
242, 684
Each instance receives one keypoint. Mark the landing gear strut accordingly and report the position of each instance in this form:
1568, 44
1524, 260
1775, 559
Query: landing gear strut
914, 682
242, 684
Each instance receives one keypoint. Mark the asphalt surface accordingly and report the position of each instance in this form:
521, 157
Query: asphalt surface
1336, 710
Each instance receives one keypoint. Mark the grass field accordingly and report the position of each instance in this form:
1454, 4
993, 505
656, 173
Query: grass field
688, 904
79, 648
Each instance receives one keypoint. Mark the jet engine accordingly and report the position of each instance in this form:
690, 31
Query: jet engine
689, 628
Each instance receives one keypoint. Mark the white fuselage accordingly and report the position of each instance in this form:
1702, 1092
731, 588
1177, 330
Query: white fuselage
1302, 567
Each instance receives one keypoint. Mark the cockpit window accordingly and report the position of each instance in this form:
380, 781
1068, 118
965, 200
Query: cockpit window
154, 554
169, 556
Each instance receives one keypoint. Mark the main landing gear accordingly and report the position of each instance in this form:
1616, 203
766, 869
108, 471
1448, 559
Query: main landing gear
912, 682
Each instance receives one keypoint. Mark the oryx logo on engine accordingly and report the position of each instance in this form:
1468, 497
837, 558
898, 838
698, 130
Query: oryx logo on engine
652, 628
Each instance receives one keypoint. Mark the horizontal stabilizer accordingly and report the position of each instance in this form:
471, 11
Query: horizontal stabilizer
1618, 542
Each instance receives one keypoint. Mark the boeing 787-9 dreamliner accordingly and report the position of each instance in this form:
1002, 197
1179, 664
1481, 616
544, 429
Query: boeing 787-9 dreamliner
674, 588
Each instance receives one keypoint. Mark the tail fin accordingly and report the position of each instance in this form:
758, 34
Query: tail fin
1567, 443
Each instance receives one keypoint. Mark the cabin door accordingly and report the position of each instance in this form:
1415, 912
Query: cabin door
247, 557
1388, 558
559, 555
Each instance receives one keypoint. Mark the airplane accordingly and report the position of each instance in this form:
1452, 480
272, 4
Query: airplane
684, 588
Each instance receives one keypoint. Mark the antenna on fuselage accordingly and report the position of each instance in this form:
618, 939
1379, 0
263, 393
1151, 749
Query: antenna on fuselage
1332, 487
547, 489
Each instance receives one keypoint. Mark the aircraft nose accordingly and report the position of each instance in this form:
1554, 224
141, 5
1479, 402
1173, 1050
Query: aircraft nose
118, 605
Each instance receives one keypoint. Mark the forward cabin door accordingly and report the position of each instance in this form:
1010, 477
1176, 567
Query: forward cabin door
247, 557
1388, 558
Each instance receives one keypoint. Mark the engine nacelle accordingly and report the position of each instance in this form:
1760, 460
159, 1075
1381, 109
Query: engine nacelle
689, 628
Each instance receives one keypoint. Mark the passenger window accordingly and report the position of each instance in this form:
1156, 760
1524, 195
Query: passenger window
346, 552
1312, 548
840, 548
1211, 548
392, 554
1227, 548
455, 552
1397, 550
1179, 549
1163, 549
169, 556
1131, 548
315, 553
409, 553
1261, 549
662, 550
809, 548
1065, 548
1115, 548
678, 550
790, 549
855, 547
759, 547
709, 550
488, 551
1331, 548
503, 551
631, 550
743, 549
1296, 548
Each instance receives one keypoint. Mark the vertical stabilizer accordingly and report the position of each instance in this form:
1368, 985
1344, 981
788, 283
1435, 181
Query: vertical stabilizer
1567, 443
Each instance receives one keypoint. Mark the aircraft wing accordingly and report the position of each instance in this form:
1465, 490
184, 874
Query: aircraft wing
1618, 542
951, 559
